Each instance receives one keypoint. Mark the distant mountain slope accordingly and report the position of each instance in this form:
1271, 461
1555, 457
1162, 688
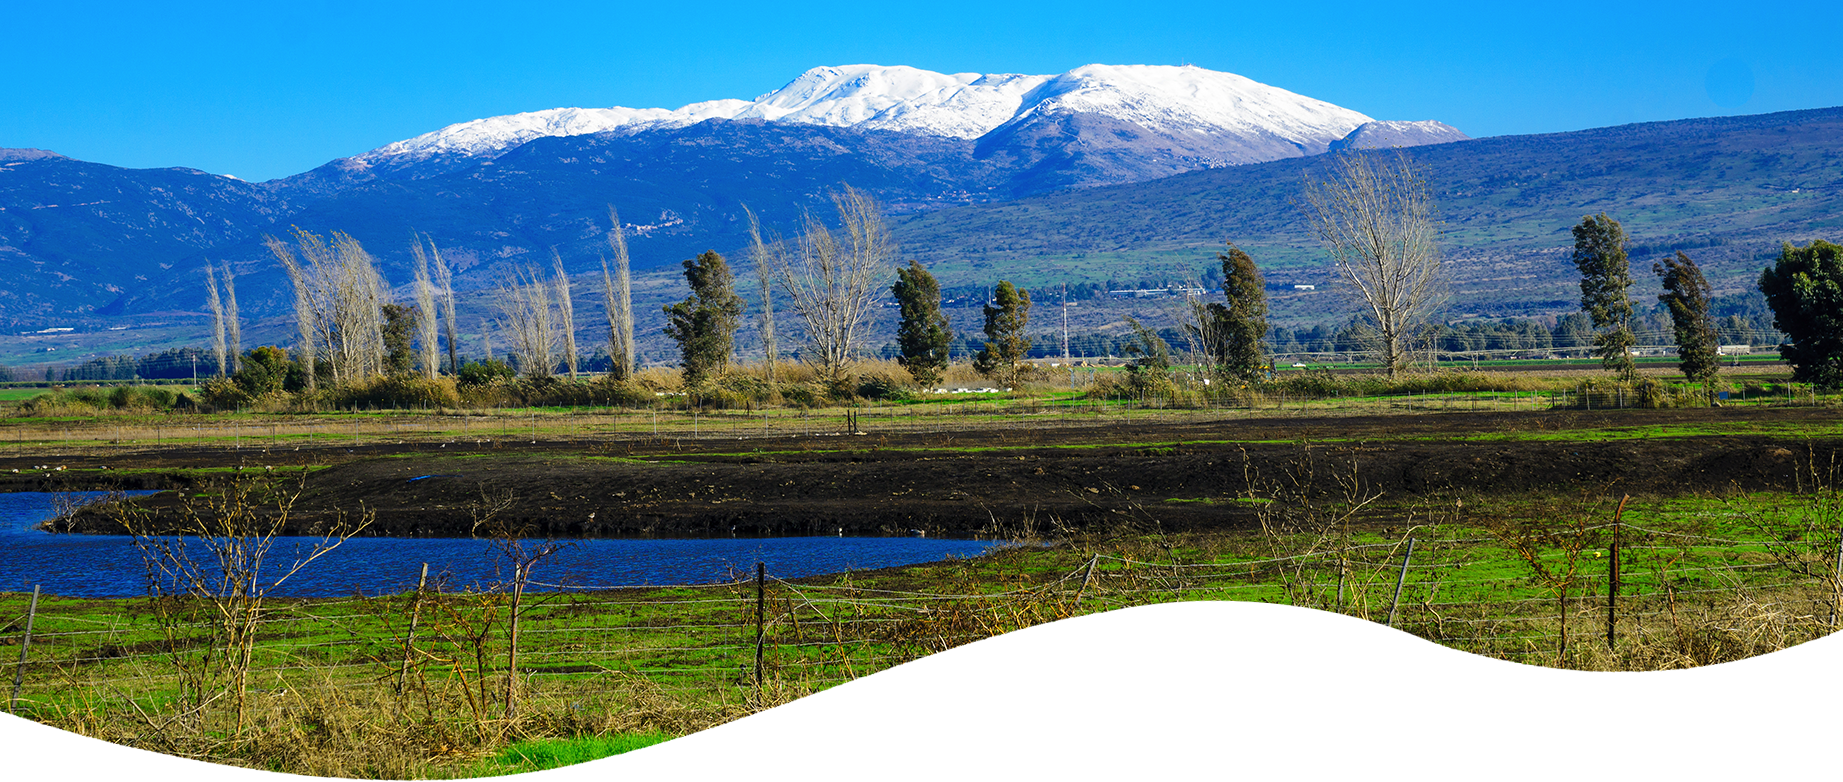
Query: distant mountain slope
1383, 134
76, 236
1728, 189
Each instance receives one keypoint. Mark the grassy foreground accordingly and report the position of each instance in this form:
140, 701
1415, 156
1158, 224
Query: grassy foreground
1486, 753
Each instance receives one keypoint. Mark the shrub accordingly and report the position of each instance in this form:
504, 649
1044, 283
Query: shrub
883, 389
395, 391
222, 393
483, 373
142, 398
624, 393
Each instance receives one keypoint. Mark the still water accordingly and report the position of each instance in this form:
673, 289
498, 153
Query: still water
111, 566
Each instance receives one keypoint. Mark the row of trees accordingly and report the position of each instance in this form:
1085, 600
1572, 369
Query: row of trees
1372, 214
1804, 289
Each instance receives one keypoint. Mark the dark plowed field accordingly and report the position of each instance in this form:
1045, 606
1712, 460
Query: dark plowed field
992, 481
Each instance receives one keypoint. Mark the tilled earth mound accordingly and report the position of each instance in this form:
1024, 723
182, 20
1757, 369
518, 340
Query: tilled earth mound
1008, 482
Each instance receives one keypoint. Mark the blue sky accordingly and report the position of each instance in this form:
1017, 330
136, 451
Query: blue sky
259, 92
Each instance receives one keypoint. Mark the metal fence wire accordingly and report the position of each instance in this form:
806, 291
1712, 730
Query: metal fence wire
735, 639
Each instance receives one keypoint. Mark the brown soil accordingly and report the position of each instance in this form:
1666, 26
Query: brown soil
943, 485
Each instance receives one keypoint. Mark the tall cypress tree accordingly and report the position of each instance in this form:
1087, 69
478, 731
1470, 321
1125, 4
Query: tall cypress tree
704, 324
923, 335
1606, 277
1005, 320
1240, 327
1687, 295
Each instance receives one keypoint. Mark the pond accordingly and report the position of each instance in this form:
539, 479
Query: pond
111, 565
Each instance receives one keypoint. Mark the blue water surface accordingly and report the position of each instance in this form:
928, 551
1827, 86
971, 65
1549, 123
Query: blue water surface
111, 566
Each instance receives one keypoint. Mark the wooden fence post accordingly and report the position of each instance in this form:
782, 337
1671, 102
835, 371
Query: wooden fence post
1062, 637
409, 641
761, 626
25, 644
1400, 580
1838, 575
1612, 581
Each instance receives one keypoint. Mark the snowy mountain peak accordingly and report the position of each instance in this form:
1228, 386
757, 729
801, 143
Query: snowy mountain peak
1159, 98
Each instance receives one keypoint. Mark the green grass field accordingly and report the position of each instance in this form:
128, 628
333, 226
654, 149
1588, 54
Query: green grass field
1484, 753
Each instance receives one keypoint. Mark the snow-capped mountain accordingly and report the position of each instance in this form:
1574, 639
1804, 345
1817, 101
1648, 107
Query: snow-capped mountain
1194, 105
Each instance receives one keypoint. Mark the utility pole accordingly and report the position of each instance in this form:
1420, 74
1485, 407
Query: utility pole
1065, 324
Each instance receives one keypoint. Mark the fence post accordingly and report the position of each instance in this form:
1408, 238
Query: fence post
1838, 575
25, 644
409, 641
1062, 637
1337, 618
761, 626
1612, 581
1400, 580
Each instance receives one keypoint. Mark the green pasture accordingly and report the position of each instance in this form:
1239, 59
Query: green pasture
603, 671
1504, 751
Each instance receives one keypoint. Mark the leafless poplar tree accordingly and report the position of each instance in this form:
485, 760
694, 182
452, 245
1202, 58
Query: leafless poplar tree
531, 318
306, 316
217, 318
232, 329
833, 281
444, 283
760, 252
486, 339
339, 285
1375, 218
425, 312
566, 314
617, 294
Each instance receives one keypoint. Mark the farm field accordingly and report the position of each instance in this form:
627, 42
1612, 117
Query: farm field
1488, 521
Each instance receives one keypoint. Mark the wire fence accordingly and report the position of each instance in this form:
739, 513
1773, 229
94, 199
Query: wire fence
1680, 599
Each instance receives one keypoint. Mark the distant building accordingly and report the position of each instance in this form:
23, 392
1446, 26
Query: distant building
1734, 350
1305, 287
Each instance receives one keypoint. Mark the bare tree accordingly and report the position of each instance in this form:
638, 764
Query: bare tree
444, 282
833, 281
232, 330
760, 253
617, 294
339, 288
566, 314
1375, 218
531, 317
425, 313
306, 315
217, 317
214, 554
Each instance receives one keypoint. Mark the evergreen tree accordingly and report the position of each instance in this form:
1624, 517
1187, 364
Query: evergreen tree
1687, 295
399, 335
923, 336
1599, 254
704, 324
1005, 319
1805, 289
1239, 327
